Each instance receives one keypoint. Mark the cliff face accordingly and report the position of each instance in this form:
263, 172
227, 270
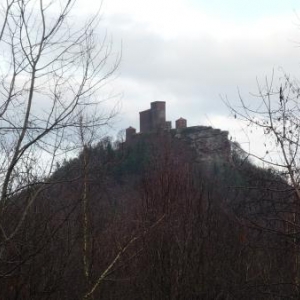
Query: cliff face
209, 143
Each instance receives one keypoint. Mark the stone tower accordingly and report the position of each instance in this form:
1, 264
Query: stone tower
181, 123
158, 115
130, 132
153, 119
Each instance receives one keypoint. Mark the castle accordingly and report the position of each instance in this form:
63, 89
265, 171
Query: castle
209, 143
154, 120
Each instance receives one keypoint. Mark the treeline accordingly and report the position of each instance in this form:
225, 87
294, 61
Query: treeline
147, 222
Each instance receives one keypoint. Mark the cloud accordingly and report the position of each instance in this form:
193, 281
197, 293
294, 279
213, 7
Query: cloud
188, 56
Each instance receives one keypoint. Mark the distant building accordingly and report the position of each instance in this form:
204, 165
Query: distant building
154, 119
158, 115
207, 142
181, 123
130, 132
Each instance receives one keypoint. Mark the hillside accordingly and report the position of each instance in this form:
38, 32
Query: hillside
155, 218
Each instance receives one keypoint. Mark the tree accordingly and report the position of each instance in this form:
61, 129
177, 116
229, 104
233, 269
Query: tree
275, 113
51, 71
50, 74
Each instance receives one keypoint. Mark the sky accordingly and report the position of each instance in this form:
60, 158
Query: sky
193, 53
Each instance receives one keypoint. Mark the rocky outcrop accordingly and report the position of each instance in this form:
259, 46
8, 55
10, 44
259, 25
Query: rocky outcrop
209, 143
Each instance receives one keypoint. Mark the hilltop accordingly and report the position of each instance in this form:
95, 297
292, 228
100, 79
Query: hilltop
167, 214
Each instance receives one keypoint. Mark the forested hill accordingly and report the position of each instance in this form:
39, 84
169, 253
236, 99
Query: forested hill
150, 220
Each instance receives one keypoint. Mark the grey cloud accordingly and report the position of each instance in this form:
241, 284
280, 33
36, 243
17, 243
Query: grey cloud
190, 74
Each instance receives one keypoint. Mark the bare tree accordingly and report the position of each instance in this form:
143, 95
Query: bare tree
274, 112
51, 71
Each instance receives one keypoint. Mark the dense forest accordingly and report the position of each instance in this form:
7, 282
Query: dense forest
149, 219
148, 222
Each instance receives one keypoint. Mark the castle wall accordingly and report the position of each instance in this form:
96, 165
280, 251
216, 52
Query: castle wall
208, 144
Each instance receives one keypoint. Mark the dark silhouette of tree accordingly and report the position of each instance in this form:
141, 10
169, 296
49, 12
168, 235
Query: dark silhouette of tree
269, 199
52, 69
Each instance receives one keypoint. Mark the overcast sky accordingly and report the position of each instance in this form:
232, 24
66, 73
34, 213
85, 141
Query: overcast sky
189, 52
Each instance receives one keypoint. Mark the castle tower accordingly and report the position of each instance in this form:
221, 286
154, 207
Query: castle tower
153, 119
130, 132
158, 115
181, 123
